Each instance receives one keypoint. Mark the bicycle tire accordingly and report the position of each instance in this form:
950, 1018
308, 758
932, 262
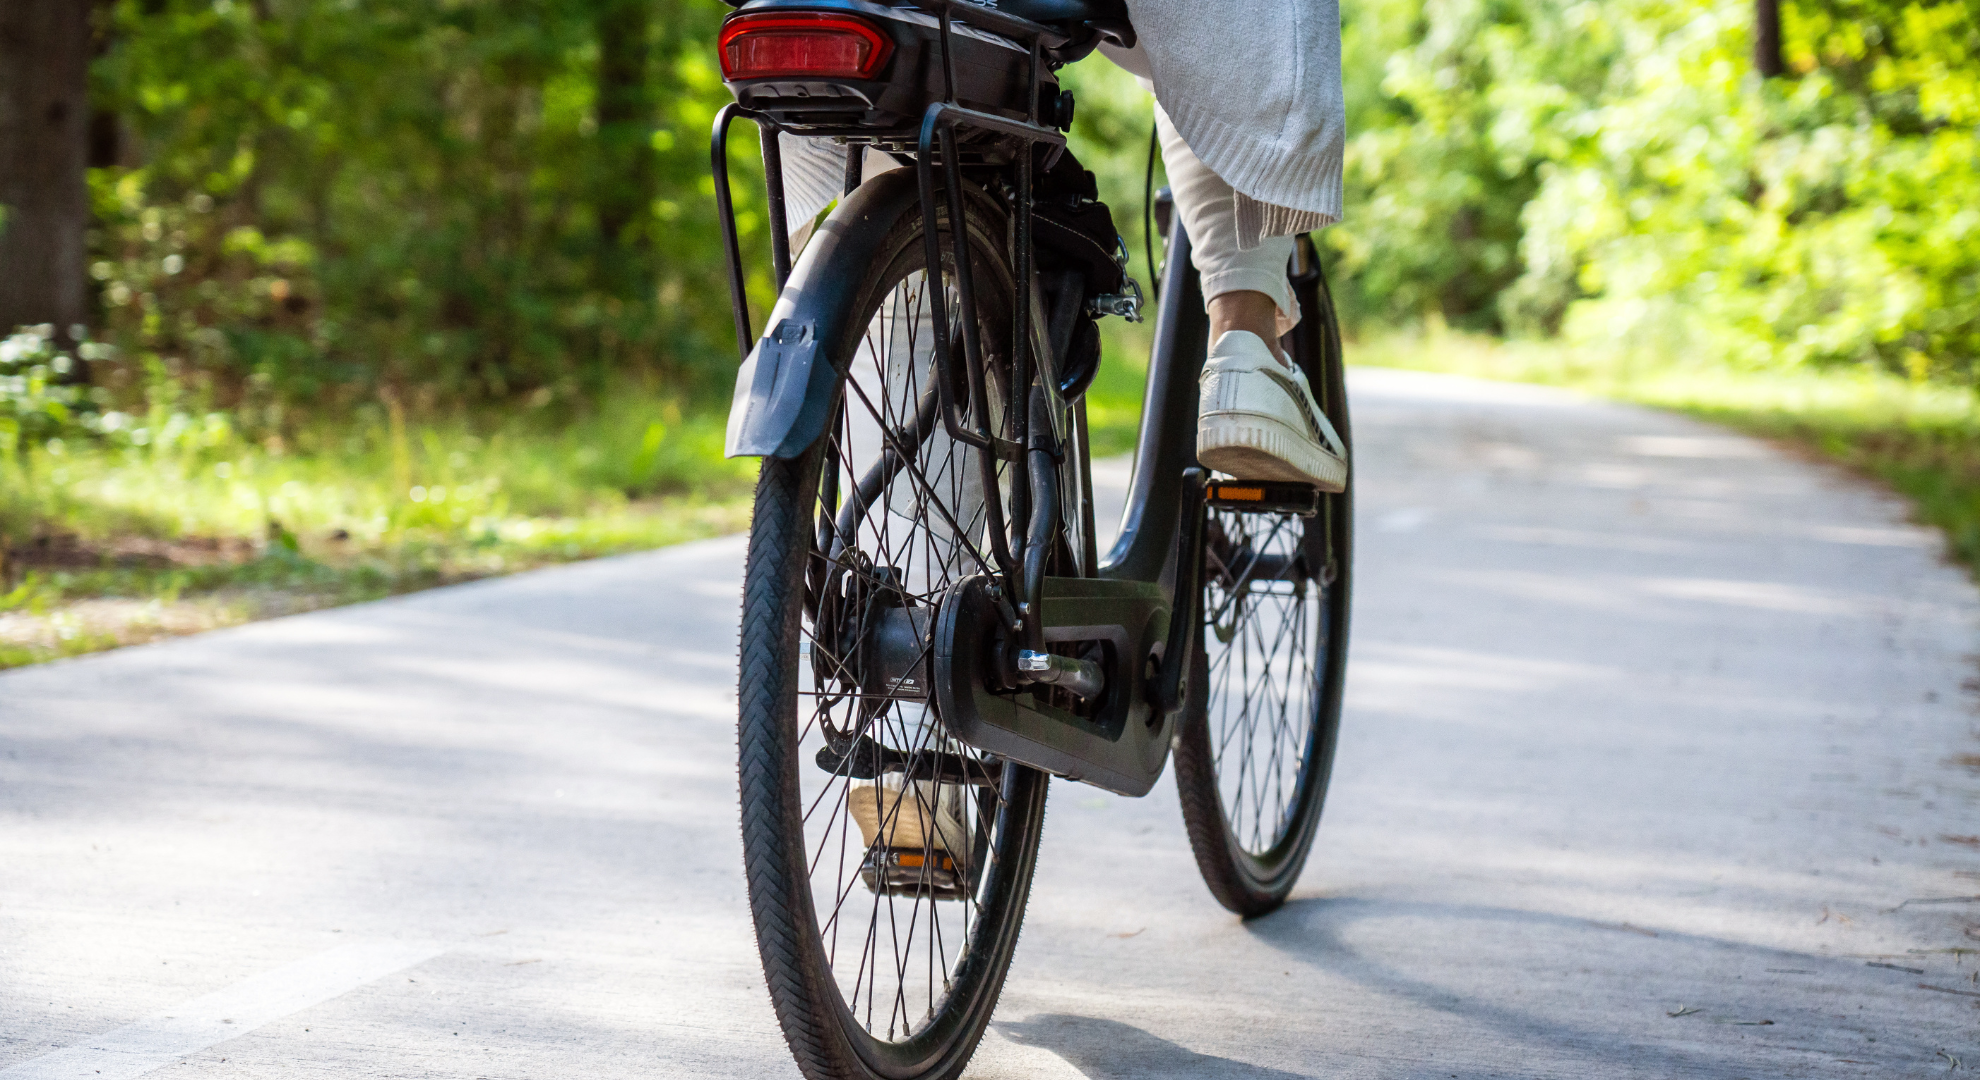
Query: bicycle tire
801, 549
1233, 760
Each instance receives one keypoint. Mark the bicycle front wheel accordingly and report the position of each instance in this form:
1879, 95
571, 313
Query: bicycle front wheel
1256, 742
888, 864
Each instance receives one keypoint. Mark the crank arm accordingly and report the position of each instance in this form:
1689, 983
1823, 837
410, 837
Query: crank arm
867, 760
1116, 740
1167, 689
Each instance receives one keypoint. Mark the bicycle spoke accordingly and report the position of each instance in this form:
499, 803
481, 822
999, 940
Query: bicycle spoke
899, 521
1261, 609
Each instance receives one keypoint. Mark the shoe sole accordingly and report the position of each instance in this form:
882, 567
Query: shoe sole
909, 825
1250, 447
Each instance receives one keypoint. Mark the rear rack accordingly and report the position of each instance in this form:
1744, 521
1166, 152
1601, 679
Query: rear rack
940, 122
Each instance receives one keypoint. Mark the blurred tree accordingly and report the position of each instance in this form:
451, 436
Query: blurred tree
324, 201
442, 200
44, 202
626, 115
1767, 39
1619, 171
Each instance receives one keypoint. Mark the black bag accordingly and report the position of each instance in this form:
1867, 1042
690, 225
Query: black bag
1072, 227
1080, 256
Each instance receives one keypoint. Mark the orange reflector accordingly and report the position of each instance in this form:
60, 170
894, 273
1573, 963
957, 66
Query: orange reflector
1239, 494
907, 859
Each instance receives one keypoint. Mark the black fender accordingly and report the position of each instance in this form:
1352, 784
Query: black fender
785, 389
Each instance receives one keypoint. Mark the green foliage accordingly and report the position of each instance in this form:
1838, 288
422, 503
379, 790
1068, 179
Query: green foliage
165, 507
442, 198
36, 405
1433, 202
375, 478
332, 202
1618, 171
433, 200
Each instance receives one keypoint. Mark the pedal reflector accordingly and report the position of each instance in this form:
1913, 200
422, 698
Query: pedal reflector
913, 873
1268, 497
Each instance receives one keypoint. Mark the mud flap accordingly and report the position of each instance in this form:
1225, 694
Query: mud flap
781, 380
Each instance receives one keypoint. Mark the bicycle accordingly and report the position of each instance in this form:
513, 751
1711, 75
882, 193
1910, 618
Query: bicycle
929, 630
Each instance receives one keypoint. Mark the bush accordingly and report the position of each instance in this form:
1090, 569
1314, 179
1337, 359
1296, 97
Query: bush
1619, 172
39, 399
330, 198
443, 202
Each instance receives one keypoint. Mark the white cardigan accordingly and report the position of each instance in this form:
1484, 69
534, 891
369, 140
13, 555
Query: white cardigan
1254, 87
1272, 122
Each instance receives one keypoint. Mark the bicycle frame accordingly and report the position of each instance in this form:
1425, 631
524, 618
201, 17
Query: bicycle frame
1145, 591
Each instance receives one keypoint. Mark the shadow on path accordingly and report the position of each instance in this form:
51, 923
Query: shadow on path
1111, 1050
1661, 969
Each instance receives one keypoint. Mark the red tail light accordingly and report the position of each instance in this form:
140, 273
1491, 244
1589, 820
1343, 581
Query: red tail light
802, 45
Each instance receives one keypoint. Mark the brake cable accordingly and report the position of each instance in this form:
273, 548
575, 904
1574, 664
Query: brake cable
1148, 216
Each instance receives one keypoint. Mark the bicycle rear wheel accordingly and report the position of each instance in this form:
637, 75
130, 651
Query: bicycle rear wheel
888, 864
1256, 742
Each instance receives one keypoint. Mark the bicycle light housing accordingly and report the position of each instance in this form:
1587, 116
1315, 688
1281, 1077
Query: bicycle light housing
844, 67
802, 45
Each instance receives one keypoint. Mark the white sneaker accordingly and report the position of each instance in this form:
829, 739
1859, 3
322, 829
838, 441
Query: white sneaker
1257, 420
917, 842
915, 816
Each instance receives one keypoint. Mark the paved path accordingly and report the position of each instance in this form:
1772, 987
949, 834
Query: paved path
1643, 718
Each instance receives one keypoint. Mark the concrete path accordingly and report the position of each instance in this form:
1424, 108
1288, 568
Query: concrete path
1659, 761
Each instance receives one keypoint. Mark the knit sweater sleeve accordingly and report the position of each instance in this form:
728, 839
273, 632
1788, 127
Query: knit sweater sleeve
1254, 86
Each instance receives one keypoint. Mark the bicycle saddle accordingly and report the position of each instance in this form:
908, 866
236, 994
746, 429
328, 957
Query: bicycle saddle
1088, 21
1065, 12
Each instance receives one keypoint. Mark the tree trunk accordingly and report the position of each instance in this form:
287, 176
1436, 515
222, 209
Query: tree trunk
625, 132
1767, 39
44, 147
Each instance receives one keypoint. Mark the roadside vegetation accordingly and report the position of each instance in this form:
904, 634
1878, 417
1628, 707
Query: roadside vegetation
259, 430
125, 526
122, 527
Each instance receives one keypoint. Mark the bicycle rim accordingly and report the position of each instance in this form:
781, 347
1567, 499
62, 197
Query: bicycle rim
889, 863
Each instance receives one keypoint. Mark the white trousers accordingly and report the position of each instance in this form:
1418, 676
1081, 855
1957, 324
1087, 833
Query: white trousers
1208, 209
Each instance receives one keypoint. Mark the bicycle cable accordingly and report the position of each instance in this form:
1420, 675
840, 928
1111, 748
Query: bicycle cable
1148, 216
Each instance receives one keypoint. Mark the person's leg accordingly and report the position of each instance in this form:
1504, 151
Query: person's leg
1243, 289
1247, 309
1257, 418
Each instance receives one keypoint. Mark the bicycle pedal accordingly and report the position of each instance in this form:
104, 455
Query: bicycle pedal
909, 815
1263, 497
931, 874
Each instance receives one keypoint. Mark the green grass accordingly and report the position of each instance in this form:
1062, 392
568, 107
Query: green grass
176, 521
1921, 438
1113, 402
179, 522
